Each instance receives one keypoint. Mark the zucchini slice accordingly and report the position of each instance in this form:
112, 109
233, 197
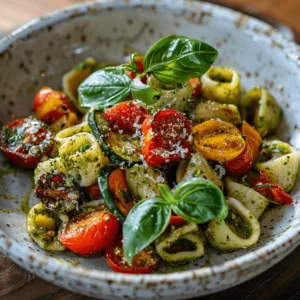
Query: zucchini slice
75, 77
177, 97
280, 161
180, 245
251, 199
213, 110
42, 226
103, 185
222, 85
239, 230
116, 146
267, 113
143, 182
199, 167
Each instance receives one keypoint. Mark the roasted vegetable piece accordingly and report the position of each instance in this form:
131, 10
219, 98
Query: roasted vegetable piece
90, 232
196, 85
273, 191
213, 110
115, 146
253, 138
59, 192
119, 189
143, 182
125, 117
222, 85
220, 141
75, 77
54, 108
93, 191
26, 141
42, 225
139, 62
239, 230
142, 263
179, 245
280, 161
240, 165
166, 137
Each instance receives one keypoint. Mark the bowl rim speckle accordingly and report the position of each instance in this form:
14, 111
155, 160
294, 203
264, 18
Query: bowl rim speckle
281, 246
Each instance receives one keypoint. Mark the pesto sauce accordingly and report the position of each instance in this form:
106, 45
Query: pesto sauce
238, 224
24, 204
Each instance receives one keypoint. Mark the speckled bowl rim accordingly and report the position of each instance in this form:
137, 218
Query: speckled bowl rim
281, 247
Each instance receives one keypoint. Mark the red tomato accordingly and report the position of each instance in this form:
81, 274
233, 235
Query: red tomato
50, 106
196, 84
176, 220
93, 191
142, 263
125, 116
25, 141
139, 63
240, 165
271, 190
89, 232
166, 137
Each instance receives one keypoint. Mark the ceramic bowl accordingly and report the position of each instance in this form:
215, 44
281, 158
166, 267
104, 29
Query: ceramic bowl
39, 54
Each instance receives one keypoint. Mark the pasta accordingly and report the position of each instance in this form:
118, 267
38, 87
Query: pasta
240, 230
222, 85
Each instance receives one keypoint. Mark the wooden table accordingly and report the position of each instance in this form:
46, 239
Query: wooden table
280, 282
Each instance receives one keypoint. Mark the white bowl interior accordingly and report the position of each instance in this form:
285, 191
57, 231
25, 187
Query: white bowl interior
41, 58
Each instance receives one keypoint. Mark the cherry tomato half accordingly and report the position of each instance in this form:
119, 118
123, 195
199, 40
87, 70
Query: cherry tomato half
125, 116
240, 165
271, 190
176, 220
51, 106
93, 191
25, 141
142, 263
90, 232
166, 137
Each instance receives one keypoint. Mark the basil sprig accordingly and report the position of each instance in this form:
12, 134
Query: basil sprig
196, 200
171, 60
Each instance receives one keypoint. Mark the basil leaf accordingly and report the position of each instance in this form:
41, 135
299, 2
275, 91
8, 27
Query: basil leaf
199, 201
176, 59
145, 222
166, 193
105, 88
143, 92
133, 64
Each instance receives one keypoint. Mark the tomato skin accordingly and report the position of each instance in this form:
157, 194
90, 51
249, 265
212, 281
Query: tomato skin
50, 106
176, 220
165, 133
240, 165
139, 63
116, 262
196, 84
89, 232
271, 190
93, 191
18, 151
125, 116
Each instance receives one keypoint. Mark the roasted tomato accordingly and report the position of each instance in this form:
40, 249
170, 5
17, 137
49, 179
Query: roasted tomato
142, 263
54, 108
166, 137
125, 117
93, 191
196, 84
119, 190
240, 165
90, 232
176, 220
25, 141
271, 190
139, 62
59, 192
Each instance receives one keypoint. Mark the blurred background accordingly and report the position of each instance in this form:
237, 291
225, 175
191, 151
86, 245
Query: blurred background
283, 14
